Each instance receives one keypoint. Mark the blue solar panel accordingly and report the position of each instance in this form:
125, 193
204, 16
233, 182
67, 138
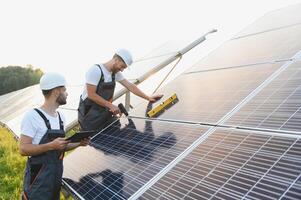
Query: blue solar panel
277, 106
233, 134
125, 156
234, 165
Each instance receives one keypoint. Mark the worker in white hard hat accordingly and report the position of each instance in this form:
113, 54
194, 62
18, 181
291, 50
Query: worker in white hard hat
42, 140
96, 109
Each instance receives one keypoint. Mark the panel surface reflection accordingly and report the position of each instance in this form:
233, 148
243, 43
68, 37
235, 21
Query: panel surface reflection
207, 96
121, 159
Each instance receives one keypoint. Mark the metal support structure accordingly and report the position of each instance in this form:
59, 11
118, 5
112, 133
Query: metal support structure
127, 102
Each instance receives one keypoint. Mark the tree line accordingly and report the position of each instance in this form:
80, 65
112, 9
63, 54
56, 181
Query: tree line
13, 78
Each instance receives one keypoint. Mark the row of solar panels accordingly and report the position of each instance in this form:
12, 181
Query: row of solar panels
234, 134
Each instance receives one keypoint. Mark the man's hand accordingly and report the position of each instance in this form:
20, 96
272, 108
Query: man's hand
114, 109
155, 98
84, 142
59, 144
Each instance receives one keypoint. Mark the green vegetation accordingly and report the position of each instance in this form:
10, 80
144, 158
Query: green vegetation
12, 166
14, 78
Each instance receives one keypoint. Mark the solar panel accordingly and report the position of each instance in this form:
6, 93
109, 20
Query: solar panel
235, 165
274, 20
125, 156
11, 103
234, 134
266, 47
277, 106
207, 96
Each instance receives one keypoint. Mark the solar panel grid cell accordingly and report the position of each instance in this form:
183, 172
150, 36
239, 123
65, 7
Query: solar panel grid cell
294, 192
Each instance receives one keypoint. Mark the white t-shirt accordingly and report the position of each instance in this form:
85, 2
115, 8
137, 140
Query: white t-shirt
93, 76
34, 126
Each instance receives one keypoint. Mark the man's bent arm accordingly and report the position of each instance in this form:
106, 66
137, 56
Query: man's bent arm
29, 149
134, 89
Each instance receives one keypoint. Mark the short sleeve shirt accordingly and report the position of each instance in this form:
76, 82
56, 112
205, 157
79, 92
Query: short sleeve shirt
93, 76
34, 126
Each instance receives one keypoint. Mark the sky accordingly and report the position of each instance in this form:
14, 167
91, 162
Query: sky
68, 36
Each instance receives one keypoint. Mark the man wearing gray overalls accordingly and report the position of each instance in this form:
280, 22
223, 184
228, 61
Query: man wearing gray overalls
95, 108
42, 140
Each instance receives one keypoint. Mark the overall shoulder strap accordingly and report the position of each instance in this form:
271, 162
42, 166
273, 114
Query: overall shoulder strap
44, 118
61, 122
101, 77
113, 77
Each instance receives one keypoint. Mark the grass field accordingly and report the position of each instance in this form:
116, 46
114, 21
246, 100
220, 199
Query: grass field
12, 166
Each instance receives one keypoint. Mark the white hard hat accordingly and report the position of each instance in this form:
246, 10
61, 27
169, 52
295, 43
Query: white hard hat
52, 80
125, 55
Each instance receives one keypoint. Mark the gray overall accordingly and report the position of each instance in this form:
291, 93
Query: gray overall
92, 116
43, 173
